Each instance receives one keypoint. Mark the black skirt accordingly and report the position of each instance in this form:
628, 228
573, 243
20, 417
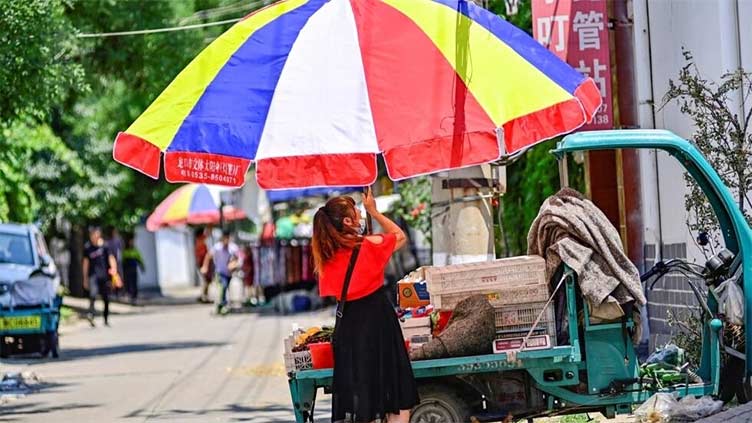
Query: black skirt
372, 371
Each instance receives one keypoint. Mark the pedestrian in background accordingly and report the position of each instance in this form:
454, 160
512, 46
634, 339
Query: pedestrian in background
99, 268
251, 290
201, 249
132, 262
114, 243
224, 254
373, 378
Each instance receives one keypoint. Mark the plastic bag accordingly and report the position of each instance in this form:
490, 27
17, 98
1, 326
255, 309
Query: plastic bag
664, 408
691, 409
656, 409
731, 299
670, 355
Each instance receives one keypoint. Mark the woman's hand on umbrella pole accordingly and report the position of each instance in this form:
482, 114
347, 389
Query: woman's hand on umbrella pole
369, 203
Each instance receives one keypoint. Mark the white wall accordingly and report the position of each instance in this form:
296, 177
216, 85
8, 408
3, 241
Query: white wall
176, 261
146, 245
717, 34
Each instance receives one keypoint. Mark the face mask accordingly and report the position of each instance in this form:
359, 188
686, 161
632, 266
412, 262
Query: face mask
360, 226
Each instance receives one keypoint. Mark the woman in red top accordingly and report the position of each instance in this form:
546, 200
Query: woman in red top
373, 378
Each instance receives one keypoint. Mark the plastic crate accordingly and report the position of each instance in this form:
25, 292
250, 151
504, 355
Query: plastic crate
514, 280
297, 361
517, 319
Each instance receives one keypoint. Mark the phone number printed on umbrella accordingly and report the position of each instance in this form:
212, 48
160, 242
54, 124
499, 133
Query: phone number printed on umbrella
208, 170
206, 176
213, 166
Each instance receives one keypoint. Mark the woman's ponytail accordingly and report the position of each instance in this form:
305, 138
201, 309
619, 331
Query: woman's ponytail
329, 231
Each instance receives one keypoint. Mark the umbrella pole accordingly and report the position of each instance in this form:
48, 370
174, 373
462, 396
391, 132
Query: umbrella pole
369, 218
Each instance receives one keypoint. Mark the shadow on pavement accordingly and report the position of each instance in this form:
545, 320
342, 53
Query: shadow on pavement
68, 354
272, 413
13, 411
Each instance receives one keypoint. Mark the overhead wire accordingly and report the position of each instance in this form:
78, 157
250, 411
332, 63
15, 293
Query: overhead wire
157, 30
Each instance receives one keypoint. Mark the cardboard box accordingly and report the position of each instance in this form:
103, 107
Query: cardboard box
413, 294
416, 326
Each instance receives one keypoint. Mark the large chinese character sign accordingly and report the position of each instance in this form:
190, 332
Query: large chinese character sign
577, 31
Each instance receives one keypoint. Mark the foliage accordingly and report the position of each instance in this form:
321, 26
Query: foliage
29, 153
414, 205
35, 67
65, 98
530, 181
687, 329
524, 17
722, 134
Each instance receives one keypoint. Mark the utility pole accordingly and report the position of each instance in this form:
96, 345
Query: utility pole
628, 161
462, 216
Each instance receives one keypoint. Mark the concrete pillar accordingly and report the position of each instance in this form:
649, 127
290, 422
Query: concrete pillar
462, 222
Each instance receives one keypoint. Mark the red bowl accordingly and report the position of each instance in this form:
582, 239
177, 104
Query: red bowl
322, 355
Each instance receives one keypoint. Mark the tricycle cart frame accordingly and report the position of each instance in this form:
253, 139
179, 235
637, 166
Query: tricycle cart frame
598, 370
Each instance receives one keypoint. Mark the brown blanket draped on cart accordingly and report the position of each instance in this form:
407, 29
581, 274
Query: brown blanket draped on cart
571, 229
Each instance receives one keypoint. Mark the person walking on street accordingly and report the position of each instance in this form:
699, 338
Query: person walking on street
373, 377
224, 255
250, 288
99, 268
132, 262
201, 249
114, 243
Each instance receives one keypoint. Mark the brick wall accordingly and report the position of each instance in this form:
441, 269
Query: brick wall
670, 293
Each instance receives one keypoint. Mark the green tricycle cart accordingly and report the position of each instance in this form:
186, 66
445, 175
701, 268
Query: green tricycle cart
597, 369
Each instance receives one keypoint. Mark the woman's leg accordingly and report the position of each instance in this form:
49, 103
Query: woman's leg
402, 417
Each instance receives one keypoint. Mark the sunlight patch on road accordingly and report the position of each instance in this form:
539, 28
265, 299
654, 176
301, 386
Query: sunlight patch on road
262, 370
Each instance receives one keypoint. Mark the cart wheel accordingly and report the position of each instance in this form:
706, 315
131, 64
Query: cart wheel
744, 390
732, 381
439, 405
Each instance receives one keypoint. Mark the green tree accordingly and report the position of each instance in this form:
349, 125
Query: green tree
723, 134
35, 67
524, 17
414, 205
126, 74
36, 72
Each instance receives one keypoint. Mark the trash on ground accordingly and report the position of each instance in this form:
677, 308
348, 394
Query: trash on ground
16, 385
665, 408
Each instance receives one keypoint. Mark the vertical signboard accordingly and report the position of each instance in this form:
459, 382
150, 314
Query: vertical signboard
577, 32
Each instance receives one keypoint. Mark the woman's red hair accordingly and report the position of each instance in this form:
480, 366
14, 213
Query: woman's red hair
329, 231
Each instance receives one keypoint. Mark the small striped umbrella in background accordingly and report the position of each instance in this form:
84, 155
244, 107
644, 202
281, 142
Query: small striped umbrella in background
191, 204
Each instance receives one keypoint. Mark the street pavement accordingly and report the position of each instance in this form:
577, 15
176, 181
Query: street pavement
165, 362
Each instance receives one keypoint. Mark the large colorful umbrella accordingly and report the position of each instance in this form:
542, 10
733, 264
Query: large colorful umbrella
191, 204
279, 196
313, 90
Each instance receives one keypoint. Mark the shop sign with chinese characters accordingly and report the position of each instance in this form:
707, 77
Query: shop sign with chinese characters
577, 31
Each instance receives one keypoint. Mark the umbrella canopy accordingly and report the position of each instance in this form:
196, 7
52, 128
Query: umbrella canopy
294, 194
313, 90
190, 204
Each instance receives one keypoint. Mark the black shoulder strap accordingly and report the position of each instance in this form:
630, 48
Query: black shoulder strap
346, 283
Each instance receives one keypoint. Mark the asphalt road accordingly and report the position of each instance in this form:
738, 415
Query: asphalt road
156, 363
